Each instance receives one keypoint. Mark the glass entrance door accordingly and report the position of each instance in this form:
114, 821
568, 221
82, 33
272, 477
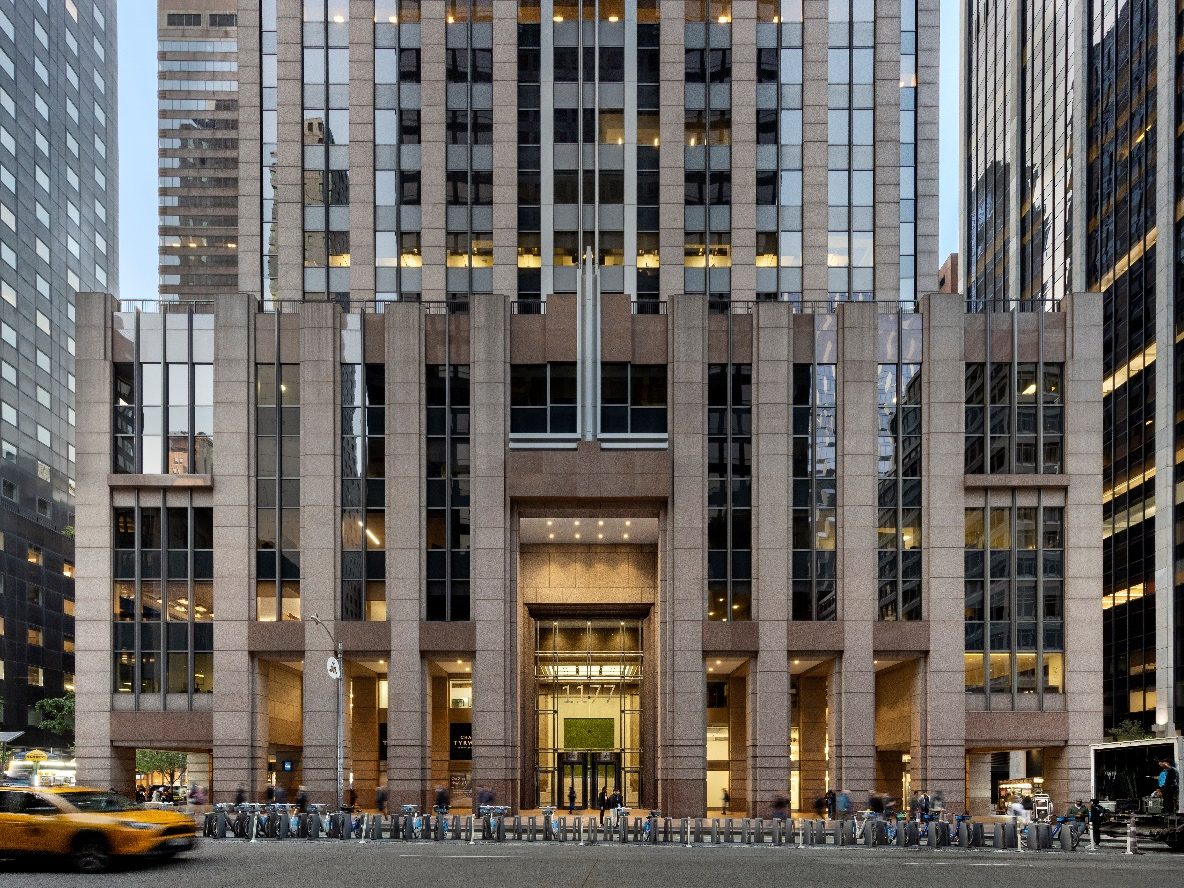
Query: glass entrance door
573, 776
588, 704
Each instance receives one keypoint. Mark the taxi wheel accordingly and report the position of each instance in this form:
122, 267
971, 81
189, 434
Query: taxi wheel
91, 854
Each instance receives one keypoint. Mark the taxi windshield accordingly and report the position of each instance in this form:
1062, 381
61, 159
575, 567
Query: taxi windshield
97, 801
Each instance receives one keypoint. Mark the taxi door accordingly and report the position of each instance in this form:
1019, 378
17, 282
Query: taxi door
12, 827
46, 826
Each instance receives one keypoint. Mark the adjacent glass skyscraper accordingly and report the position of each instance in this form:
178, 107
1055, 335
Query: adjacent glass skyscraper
58, 203
1071, 121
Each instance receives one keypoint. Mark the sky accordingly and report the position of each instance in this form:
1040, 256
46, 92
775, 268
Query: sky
138, 269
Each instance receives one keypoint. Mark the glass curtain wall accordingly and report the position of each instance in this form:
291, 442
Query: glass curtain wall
588, 675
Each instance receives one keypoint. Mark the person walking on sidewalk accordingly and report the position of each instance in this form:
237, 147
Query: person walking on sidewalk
602, 803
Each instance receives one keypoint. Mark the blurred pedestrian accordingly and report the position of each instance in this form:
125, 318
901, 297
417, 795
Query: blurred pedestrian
726, 798
240, 795
302, 799
602, 803
443, 801
571, 799
380, 798
831, 804
352, 797
780, 808
1169, 785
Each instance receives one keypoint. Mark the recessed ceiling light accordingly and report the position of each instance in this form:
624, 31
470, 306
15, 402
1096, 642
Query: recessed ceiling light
711, 669
550, 536
577, 536
458, 662
576, 522
600, 523
625, 536
628, 523
796, 662
718, 662
549, 522
599, 536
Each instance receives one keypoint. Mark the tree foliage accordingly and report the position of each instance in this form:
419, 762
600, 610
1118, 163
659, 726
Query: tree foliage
1129, 730
57, 715
161, 761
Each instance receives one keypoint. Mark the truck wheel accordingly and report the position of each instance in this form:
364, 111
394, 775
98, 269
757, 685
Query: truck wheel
91, 854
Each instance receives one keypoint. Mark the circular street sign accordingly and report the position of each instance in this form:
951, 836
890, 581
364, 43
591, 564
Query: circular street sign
333, 668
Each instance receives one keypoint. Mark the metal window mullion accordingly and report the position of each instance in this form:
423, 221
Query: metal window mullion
137, 617
1039, 604
190, 586
1012, 597
190, 449
277, 509
162, 651
898, 458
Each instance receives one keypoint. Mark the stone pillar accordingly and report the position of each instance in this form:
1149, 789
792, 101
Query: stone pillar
320, 538
939, 765
738, 746
852, 689
979, 797
494, 672
812, 739
433, 100
98, 763
768, 685
886, 218
361, 156
239, 754
406, 696
363, 720
1083, 554
814, 152
682, 729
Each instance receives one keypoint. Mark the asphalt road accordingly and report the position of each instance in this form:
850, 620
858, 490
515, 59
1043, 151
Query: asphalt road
547, 865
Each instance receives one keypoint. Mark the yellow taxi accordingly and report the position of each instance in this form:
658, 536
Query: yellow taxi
90, 826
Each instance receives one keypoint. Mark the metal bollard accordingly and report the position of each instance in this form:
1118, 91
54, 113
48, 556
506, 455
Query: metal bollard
715, 831
1132, 840
592, 829
1043, 836
745, 832
1066, 834
698, 831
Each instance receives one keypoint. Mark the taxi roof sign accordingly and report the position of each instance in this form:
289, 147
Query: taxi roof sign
36, 755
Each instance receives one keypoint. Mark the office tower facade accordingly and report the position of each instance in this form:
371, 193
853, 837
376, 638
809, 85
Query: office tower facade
58, 208
1078, 194
198, 153
583, 388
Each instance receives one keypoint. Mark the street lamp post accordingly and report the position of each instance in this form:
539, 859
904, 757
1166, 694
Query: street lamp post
340, 679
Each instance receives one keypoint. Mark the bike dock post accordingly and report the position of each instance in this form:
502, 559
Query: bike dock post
1066, 833
715, 831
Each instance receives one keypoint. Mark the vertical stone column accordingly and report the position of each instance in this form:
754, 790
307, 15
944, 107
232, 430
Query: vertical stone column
812, 739
940, 767
494, 664
886, 136
92, 548
1083, 554
738, 746
979, 798
743, 150
362, 697
852, 688
239, 750
433, 102
682, 725
361, 151
928, 95
505, 147
815, 31
671, 181
768, 686
289, 175
320, 537
406, 715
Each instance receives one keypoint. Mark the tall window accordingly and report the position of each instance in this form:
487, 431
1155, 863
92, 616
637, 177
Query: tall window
326, 148
447, 396
908, 152
269, 138
779, 150
1015, 418
813, 518
1015, 600
898, 396
163, 600
397, 176
363, 489
707, 244
277, 492
729, 492
163, 394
